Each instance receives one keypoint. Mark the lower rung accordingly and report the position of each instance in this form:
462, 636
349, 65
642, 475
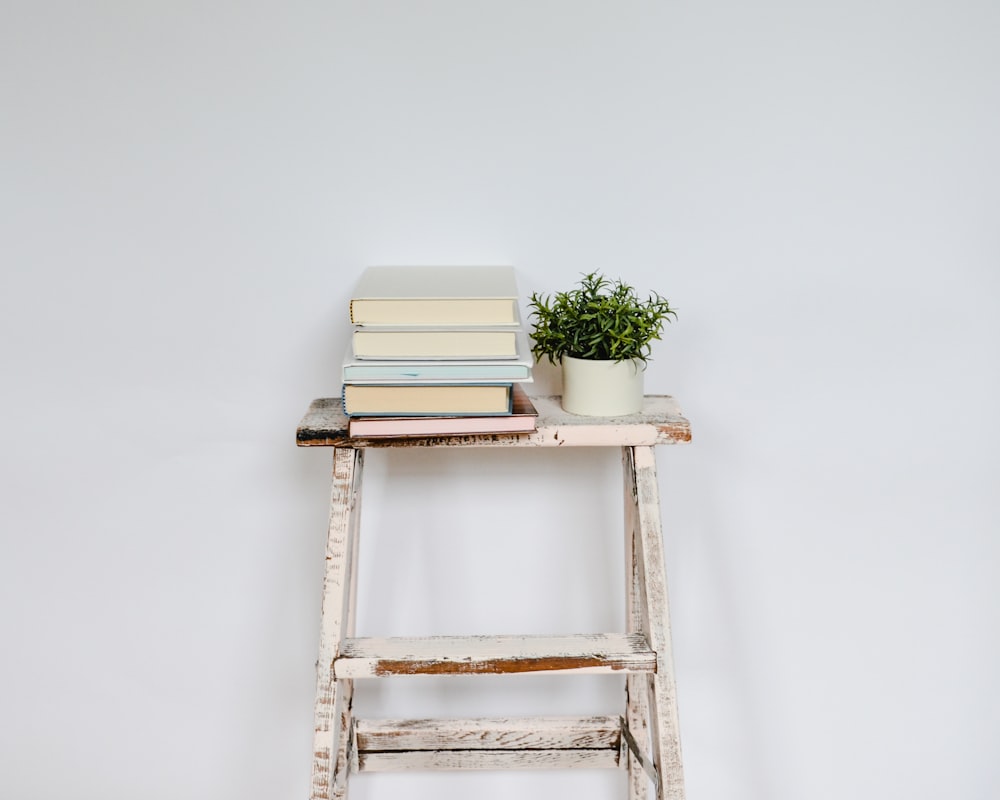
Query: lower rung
470, 744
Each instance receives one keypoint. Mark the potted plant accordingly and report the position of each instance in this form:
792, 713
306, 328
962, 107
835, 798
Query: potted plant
600, 331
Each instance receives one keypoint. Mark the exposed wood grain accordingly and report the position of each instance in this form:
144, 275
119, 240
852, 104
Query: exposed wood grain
454, 655
524, 733
487, 759
636, 686
332, 716
665, 723
646, 739
346, 757
660, 422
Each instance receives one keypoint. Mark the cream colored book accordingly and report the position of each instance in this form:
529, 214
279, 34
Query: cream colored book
436, 296
432, 343
398, 400
522, 419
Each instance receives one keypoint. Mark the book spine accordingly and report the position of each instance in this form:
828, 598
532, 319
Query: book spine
405, 412
359, 374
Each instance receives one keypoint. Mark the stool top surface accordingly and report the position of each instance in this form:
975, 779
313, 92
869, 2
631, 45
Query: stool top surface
659, 422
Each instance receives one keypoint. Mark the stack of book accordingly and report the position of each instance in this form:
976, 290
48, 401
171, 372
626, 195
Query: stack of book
437, 351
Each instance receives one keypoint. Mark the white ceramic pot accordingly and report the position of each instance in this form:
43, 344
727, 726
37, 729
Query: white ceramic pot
602, 388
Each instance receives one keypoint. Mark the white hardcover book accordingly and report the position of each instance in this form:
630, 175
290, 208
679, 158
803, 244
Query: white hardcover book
436, 296
388, 342
433, 399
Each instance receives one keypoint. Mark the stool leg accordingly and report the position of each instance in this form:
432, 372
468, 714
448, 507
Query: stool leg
640, 467
636, 686
333, 723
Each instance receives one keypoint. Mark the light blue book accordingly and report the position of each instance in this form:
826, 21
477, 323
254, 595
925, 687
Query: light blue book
367, 370
430, 371
516, 369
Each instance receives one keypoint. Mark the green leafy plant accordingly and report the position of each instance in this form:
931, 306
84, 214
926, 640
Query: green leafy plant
599, 319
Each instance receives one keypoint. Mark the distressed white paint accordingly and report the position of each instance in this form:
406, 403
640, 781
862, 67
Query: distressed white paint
646, 740
659, 422
636, 686
454, 655
524, 733
332, 715
664, 721
507, 743
641, 759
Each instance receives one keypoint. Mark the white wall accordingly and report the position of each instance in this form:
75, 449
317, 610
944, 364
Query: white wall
188, 191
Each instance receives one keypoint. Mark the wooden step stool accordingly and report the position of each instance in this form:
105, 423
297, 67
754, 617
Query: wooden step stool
644, 739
